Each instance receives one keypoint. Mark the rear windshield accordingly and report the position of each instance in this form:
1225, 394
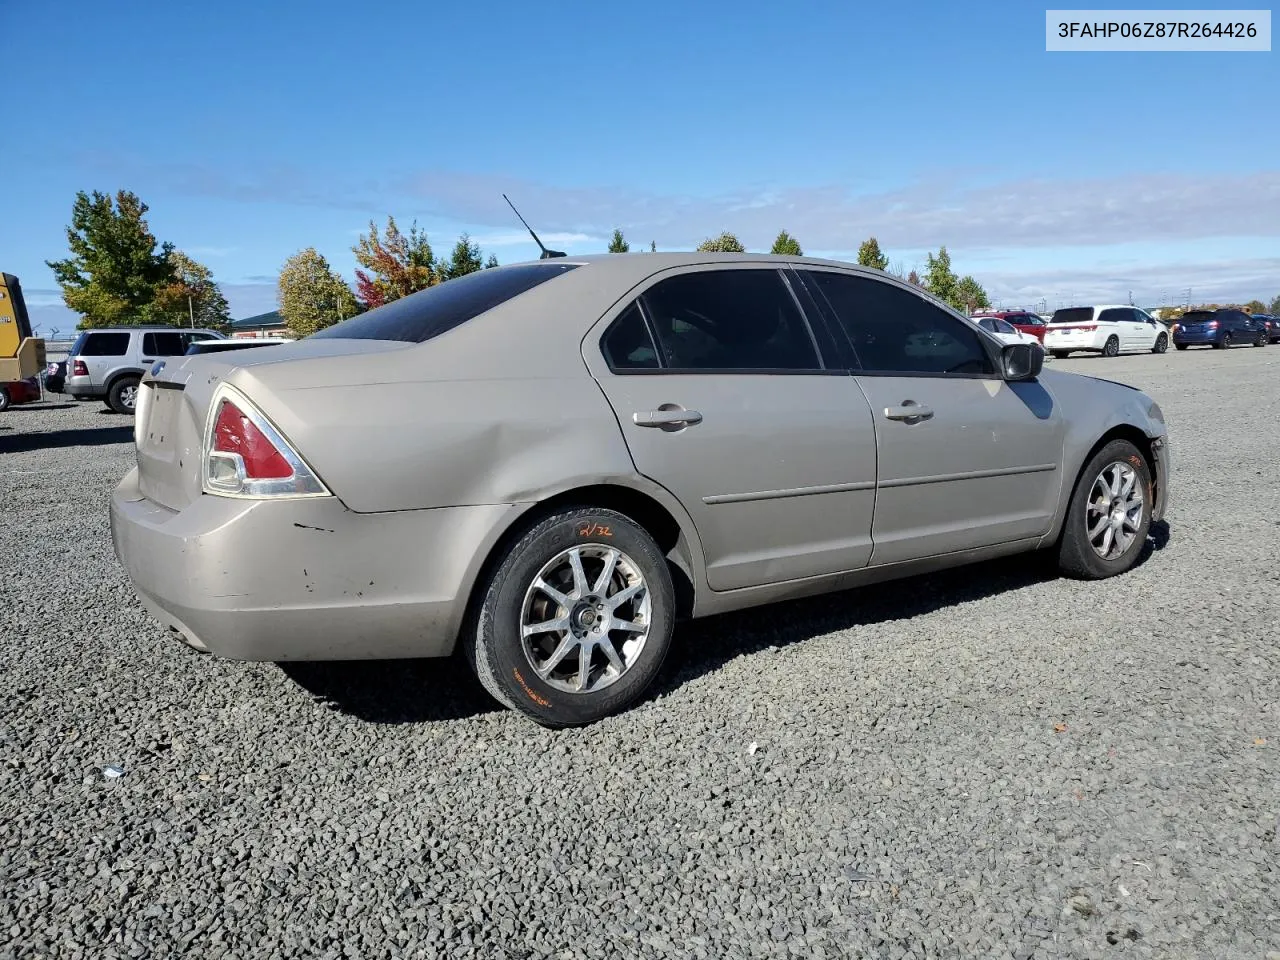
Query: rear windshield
1072, 315
1196, 316
91, 344
429, 313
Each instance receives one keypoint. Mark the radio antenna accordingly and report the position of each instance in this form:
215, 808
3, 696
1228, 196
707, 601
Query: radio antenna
546, 254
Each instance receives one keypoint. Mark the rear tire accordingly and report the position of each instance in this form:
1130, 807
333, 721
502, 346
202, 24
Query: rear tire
1059, 354
1261, 340
539, 673
1162, 344
1112, 347
4, 400
123, 395
1180, 346
1096, 509
1223, 343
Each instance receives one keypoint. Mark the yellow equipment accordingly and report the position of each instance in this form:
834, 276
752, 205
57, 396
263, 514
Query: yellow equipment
21, 354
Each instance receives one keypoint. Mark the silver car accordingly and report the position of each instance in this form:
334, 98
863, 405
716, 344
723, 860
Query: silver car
550, 463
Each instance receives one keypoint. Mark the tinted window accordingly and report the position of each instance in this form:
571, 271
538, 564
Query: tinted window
163, 344
1072, 315
988, 323
627, 344
102, 345
1115, 315
1196, 316
729, 320
1003, 326
895, 331
431, 312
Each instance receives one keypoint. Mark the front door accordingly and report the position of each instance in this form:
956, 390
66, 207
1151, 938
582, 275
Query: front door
965, 459
723, 398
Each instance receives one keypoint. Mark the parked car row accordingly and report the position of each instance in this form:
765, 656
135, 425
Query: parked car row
1113, 329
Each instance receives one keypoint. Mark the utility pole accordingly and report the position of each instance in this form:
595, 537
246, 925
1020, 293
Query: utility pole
191, 312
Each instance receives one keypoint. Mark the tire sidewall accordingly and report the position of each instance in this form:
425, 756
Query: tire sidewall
1162, 343
1112, 347
1077, 517
4, 399
499, 619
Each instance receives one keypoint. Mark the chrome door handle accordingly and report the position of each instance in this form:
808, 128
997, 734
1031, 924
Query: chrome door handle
910, 410
666, 418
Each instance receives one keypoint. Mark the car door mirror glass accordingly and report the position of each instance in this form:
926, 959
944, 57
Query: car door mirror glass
1022, 361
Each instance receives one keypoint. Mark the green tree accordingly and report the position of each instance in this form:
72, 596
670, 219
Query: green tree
1255, 306
393, 265
618, 243
466, 258
785, 245
914, 278
1275, 307
312, 296
870, 255
191, 298
116, 266
725, 243
970, 296
939, 279
491, 262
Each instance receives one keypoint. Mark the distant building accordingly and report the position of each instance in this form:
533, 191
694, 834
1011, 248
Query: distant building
263, 325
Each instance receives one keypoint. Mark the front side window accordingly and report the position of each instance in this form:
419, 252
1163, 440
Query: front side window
101, 345
895, 331
729, 320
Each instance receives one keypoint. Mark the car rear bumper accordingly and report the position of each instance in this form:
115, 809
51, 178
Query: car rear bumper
82, 388
303, 579
1196, 336
1072, 342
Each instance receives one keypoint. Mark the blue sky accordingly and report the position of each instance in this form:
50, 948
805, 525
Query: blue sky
253, 130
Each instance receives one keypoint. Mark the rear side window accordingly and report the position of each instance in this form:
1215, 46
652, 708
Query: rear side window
729, 320
431, 312
101, 345
1115, 315
164, 344
627, 344
893, 330
1072, 315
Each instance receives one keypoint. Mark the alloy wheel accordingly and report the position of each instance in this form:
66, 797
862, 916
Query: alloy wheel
585, 618
1114, 515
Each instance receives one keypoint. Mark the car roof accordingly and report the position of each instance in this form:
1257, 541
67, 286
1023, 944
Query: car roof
149, 328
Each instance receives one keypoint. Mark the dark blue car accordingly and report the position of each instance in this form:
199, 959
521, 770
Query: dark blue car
1219, 329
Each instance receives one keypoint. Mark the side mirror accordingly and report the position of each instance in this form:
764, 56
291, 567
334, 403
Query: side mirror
1022, 361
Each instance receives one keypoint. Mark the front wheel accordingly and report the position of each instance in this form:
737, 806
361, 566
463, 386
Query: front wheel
1109, 514
1111, 347
123, 395
4, 400
1162, 344
575, 620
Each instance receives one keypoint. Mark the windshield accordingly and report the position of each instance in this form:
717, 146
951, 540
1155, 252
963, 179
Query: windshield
1072, 315
1196, 316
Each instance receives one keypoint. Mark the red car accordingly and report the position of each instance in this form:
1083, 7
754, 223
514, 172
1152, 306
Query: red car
19, 391
1021, 320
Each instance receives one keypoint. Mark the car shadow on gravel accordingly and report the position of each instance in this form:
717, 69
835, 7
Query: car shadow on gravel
91, 437
394, 691
421, 691
703, 646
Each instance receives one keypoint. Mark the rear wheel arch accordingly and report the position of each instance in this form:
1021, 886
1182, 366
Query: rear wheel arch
118, 375
675, 539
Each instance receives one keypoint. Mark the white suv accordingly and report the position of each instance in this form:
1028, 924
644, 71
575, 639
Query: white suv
1109, 329
106, 364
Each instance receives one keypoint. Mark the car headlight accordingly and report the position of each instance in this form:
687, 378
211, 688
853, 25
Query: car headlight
1155, 413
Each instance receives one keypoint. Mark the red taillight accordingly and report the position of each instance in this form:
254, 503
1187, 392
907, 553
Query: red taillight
79, 369
1092, 326
1212, 325
233, 432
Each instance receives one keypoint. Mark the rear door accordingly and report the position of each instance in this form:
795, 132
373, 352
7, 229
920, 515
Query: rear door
965, 459
728, 398
1115, 322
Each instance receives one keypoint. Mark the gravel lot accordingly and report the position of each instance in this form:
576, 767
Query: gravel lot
986, 763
